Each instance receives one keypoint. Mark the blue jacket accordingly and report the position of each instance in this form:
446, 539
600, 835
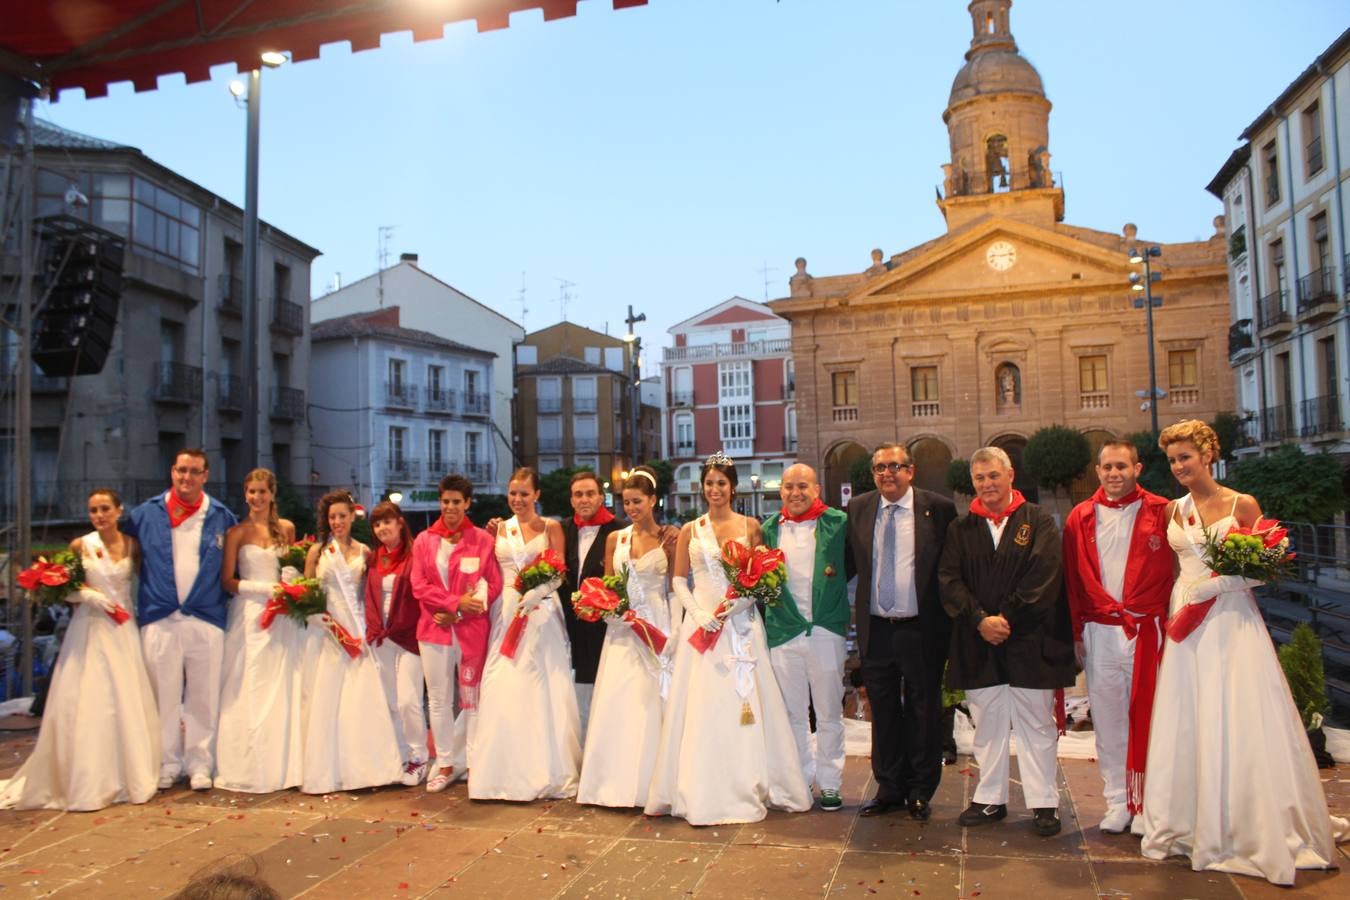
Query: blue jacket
158, 594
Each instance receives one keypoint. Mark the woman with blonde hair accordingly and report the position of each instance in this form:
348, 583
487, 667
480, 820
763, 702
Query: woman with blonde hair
1231, 778
258, 737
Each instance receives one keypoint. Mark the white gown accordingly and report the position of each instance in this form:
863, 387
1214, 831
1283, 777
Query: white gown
348, 737
710, 768
528, 743
258, 746
1231, 781
630, 689
99, 741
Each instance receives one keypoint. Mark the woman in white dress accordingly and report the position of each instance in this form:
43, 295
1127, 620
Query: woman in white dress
727, 751
348, 737
528, 744
633, 681
99, 741
258, 739
1231, 778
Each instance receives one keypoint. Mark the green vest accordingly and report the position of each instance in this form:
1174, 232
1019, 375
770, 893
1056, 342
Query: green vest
829, 583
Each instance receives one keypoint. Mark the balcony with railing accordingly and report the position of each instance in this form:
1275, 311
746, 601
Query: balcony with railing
681, 398
288, 404
440, 400
288, 317
1249, 431
548, 404
1239, 337
585, 444
550, 444
477, 472
740, 350
400, 395
46, 384
925, 409
583, 404
1272, 314
1094, 400
401, 468
1321, 417
1183, 396
1276, 424
1317, 294
178, 383
789, 444
844, 414
232, 396
684, 448
231, 295
476, 404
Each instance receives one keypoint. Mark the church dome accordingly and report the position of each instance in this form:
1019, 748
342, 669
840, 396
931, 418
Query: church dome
995, 72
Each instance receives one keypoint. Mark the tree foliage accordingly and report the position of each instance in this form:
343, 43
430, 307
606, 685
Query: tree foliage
1157, 474
665, 475
1301, 660
860, 475
1056, 455
555, 491
488, 506
958, 477
1291, 485
1228, 426
292, 504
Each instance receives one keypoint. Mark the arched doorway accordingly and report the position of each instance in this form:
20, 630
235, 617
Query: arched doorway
1085, 485
838, 461
932, 458
1013, 445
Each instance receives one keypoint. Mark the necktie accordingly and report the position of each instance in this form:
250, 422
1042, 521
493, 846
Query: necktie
886, 598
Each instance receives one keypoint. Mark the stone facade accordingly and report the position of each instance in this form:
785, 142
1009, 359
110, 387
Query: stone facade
1009, 322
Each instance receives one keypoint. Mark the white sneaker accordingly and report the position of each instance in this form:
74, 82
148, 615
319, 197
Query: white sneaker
1116, 821
200, 782
413, 772
167, 779
1137, 826
438, 782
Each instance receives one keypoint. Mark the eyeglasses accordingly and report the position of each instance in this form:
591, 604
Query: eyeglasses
892, 467
196, 473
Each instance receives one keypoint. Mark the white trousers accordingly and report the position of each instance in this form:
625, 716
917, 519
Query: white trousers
183, 656
452, 733
584, 694
810, 671
401, 675
1031, 715
1109, 665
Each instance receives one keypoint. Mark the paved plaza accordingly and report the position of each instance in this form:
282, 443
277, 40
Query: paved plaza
402, 843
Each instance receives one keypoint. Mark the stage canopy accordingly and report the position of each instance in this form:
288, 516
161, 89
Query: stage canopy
91, 44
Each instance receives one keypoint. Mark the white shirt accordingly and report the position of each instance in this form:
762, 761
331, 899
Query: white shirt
1115, 527
187, 548
443, 561
387, 590
797, 540
906, 592
585, 539
996, 531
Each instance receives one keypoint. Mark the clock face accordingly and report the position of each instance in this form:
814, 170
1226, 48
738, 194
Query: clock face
1001, 255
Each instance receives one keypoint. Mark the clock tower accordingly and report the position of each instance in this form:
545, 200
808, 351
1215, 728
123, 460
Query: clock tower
998, 125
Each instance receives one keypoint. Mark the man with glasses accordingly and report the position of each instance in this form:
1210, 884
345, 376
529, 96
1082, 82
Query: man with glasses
181, 608
896, 534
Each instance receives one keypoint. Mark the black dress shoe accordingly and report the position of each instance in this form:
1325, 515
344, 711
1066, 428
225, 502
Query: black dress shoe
949, 757
919, 810
1047, 822
982, 814
879, 806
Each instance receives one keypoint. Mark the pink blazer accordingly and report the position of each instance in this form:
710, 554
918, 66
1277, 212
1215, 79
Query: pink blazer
433, 597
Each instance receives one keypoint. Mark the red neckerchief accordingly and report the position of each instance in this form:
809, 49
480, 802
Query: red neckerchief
1131, 497
600, 518
387, 563
180, 511
812, 513
439, 527
979, 509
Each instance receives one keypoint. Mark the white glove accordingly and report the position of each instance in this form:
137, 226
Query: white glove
1209, 588
255, 587
289, 574
95, 598
614, 622
702, 618
740, 605
531, 599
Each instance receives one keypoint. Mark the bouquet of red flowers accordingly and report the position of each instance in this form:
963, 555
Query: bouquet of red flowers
607, 598
300, 599
1260, 553
759, 573
296, 554
53, 581
545, 568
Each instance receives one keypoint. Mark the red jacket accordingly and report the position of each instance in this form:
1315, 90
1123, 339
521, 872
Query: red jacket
401, 627
1148, 569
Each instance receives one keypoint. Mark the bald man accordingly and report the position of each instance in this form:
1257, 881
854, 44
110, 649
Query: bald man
807, 628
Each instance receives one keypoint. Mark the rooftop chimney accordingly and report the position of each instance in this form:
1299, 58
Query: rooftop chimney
408, 258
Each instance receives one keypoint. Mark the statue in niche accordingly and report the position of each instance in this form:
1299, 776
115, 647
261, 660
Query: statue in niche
1009, 385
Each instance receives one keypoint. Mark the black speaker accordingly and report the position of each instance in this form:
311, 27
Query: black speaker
81, 278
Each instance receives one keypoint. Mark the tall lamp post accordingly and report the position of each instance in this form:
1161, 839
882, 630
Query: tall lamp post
1145, 284
252, 95
634, 377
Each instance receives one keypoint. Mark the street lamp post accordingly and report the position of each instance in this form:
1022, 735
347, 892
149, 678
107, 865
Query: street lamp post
1145, 284
754, 501
634, 379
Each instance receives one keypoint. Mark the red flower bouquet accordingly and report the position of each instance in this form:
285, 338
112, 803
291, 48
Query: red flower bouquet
1260, 552
759, 573
296, 554
53, 581
545, 568
299, 600
607, 598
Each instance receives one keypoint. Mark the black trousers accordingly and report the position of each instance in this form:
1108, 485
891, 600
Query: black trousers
903, 677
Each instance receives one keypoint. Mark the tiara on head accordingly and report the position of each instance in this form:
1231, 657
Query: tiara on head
719, 458
646, 475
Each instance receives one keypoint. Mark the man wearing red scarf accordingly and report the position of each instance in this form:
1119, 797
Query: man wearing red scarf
1012, 643
584, 537
1118, 577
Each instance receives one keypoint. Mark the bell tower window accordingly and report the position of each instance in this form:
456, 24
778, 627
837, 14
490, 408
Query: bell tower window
996, 163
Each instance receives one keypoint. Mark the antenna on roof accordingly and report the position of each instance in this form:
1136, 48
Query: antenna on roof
384, 232
764, 271
523, 308
564, 297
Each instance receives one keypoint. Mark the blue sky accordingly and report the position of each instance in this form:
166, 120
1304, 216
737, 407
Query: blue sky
663, 156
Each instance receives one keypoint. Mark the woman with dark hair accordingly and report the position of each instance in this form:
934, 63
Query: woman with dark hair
99, 742
529, 743
727, 750
634, 678
391, 631
258, 738
346, 748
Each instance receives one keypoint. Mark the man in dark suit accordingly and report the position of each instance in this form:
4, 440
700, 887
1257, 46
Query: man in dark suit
896, 534
584, 543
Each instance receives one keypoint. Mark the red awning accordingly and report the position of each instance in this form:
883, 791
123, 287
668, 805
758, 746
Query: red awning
93, 43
